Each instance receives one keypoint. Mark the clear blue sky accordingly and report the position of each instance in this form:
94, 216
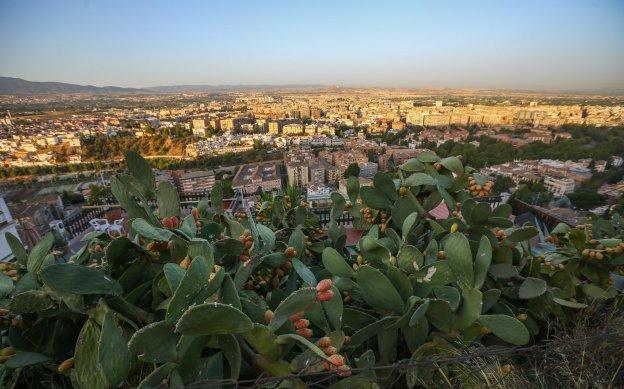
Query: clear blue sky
501, 44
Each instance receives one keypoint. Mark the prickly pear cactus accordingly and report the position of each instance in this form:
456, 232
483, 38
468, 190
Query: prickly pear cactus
199, 294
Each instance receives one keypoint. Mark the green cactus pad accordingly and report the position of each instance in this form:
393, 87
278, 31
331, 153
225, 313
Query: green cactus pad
532, 287
377, 289
508, 328
213, 319
79, 280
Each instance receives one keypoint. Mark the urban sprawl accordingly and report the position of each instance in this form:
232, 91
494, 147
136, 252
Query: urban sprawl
263, 141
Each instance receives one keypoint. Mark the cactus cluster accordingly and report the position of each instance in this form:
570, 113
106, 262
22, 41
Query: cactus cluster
209, 295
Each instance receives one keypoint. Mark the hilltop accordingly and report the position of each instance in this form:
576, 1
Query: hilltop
11, 85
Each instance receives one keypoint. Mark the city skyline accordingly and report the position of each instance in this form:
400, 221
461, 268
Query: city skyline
530, 46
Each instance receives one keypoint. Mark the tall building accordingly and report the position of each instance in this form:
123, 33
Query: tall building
297, 174
297, 162
368, 169
274, 128
230, 124
317, 171
196, 182
331, 173
199, 124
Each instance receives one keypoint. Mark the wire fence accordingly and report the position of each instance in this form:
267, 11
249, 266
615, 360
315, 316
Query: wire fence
397, 371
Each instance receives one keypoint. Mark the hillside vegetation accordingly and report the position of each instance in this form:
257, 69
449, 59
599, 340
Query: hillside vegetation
212, 298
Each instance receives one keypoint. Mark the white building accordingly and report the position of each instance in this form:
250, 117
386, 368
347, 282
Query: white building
559, 186
292, 129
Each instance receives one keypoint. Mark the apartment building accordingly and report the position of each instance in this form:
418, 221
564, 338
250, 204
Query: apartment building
317, 171
368, 169
230, 124
251, 178
196, 182
297, 163
399, 155
292, 129
558, 185
274, 128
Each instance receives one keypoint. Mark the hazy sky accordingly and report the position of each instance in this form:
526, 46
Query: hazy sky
543, 44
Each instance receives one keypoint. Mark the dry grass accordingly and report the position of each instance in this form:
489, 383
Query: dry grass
577, 362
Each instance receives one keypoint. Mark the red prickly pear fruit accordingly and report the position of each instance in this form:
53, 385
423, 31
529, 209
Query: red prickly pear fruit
336, 360
297, 316
343, 371
324, 342
324, 285
305, 332
325, 296
302, 323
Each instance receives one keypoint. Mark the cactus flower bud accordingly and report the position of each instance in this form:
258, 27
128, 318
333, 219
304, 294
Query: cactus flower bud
522, 316
186, 262
66, 365
454, 228
325, 296
506, 369
290, 252
195, 213
329, 351
268, 316
324, 285
7, 351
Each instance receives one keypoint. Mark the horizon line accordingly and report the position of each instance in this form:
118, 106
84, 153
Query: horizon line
593, 89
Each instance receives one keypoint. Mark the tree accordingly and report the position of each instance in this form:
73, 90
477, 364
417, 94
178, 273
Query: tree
502, 183
352, 170
70, 198
99, 194
586, 198
228, 192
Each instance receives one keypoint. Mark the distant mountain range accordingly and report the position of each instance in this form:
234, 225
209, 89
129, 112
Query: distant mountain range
222, 88
10, 85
